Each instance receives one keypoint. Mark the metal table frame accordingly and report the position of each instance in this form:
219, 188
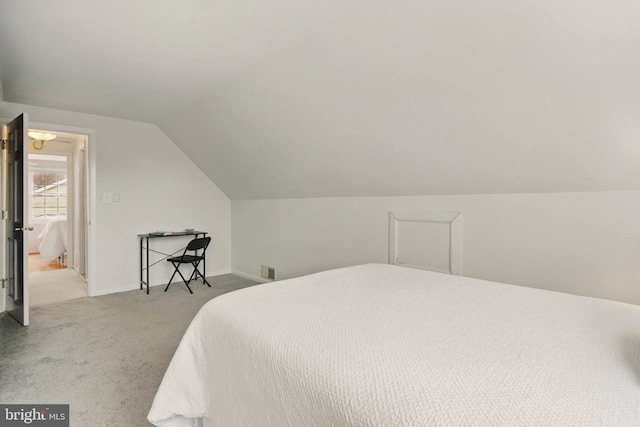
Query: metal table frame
145, 249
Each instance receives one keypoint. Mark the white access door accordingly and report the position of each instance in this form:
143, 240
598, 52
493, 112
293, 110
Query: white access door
15, 211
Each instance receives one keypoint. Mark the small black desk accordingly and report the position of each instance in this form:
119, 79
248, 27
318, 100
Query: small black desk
144, 249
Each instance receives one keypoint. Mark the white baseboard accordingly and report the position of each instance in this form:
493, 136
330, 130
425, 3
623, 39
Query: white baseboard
153, 285
218, 273
251, 277
114, 291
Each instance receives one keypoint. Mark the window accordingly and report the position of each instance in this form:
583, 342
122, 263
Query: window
48, 186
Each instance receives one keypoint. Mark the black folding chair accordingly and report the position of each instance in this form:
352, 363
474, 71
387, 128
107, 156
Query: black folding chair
194, 246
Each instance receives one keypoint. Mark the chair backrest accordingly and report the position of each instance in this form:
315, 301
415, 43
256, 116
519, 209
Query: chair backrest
197, 244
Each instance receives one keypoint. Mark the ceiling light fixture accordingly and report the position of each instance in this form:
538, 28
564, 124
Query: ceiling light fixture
40, 138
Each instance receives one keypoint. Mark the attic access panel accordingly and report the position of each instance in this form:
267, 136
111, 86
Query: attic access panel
426, 240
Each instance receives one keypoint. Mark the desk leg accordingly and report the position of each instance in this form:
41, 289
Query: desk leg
204, 267
141, 238
147, 265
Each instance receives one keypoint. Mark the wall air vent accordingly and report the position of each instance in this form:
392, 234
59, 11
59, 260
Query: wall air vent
268, 273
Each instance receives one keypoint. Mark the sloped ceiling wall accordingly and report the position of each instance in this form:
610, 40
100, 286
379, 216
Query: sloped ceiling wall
423, 98
142, 59
350, 97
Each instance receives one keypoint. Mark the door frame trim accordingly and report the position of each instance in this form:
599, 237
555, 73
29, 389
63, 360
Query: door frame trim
91, 193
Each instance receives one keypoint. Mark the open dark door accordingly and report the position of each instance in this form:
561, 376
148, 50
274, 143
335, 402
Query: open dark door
15, 214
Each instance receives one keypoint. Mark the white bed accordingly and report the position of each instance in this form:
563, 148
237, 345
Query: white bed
53, 239
382, 345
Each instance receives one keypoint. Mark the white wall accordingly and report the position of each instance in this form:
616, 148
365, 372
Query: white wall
582, 243
160, 189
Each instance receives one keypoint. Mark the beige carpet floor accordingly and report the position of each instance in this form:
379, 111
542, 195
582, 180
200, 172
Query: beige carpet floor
52, 287
104, 356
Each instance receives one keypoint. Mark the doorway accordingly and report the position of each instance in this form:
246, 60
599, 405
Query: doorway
57, 192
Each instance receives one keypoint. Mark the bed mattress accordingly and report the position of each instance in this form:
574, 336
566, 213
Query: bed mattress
382, 345
53, 239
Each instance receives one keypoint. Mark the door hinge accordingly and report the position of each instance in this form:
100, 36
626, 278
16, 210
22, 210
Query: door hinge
4, 144
4, 283
5, 215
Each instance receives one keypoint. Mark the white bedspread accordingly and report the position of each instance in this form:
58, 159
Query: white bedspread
53, 239
382, 345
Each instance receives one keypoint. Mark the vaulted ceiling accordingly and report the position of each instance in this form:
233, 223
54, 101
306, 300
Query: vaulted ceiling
351, 98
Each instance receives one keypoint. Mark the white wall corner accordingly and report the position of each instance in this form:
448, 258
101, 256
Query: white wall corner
1, 95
